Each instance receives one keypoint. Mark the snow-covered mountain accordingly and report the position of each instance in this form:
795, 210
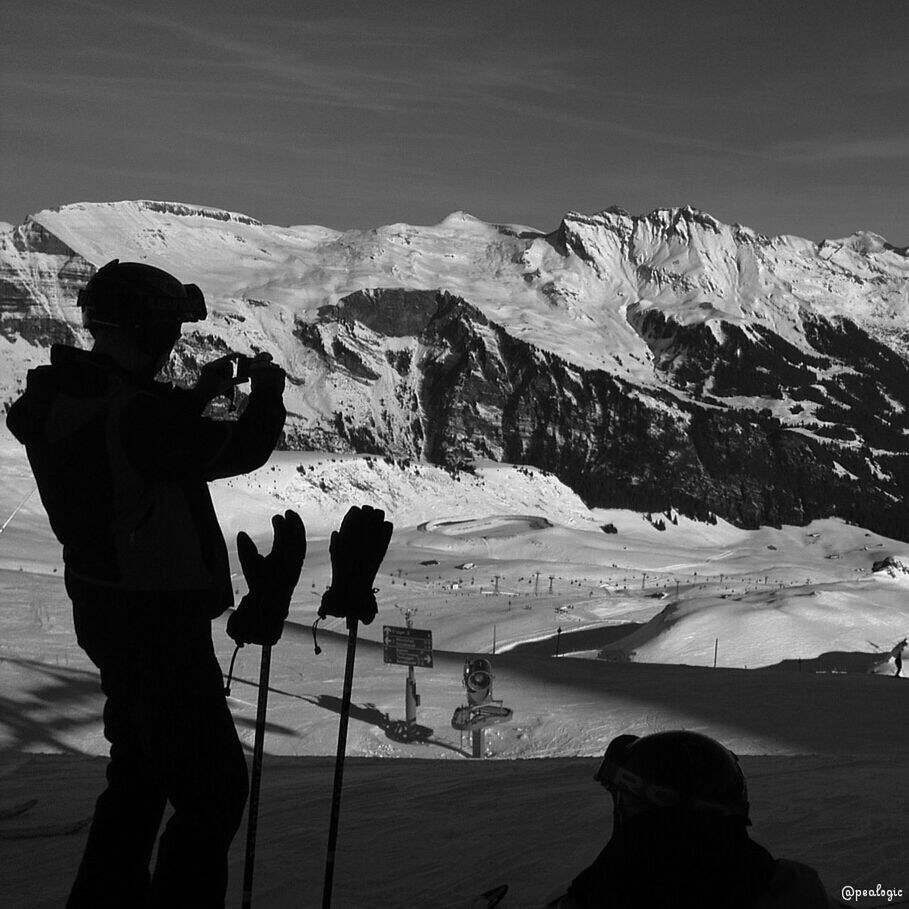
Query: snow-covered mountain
651, 361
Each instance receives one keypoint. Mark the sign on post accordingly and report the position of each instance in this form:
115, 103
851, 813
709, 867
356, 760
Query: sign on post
407, 646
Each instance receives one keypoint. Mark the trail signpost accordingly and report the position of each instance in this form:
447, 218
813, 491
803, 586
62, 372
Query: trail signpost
408, 647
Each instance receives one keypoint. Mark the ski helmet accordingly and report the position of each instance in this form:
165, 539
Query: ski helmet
679, 769
136, 296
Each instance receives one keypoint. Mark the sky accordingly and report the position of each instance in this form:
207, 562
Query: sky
786, 117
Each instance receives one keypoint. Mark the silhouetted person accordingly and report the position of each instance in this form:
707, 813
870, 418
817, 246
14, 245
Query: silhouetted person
679, 836
897, 654
122, 464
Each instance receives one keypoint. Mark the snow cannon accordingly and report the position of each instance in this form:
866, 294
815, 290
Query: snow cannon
481, 710
478, 678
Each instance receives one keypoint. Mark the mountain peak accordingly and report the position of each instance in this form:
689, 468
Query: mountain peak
864, 242
459, 218
180, 209
667, 217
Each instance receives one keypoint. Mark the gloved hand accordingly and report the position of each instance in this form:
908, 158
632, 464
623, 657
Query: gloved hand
259, 619
265, 375
215, 378
357, 550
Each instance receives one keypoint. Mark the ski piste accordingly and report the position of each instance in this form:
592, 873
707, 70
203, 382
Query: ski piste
12, 811
65, 828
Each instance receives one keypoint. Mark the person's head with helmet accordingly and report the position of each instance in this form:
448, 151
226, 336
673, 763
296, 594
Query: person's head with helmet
679, 833
686, 775
135, 311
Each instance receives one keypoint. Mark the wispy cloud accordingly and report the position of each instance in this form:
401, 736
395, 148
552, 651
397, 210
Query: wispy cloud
837, 149
385, 109
338, 63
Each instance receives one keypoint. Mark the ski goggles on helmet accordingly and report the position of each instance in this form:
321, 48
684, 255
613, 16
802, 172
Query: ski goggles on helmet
150, 307
615, 776
133, 294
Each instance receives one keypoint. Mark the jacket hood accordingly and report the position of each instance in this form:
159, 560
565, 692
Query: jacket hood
74, 377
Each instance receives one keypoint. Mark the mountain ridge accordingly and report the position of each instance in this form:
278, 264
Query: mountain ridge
654, 361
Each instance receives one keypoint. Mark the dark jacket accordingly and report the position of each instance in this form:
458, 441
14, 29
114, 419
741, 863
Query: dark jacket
792, 885
681, 861
122, 467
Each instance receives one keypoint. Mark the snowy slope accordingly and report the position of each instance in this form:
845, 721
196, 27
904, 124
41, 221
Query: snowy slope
822, 752
427, 833
512, 555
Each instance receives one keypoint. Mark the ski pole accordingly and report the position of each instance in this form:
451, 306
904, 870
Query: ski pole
256, 777
18, 508
352, 623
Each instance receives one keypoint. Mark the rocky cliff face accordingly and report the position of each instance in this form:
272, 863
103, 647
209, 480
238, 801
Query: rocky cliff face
40, 278
463, 388
661, 361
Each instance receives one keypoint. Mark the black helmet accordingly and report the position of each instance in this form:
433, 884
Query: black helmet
138, 296
677, 769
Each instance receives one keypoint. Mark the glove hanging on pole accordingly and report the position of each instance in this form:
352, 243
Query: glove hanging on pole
259, 619
357, 550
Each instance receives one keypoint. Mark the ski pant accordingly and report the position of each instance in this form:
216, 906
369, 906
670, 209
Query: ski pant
172, 739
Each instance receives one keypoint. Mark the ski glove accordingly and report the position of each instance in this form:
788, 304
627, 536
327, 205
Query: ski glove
357, 550
259, 619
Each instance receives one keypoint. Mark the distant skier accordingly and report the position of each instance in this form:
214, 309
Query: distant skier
679, 836
122, 464
897, 654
